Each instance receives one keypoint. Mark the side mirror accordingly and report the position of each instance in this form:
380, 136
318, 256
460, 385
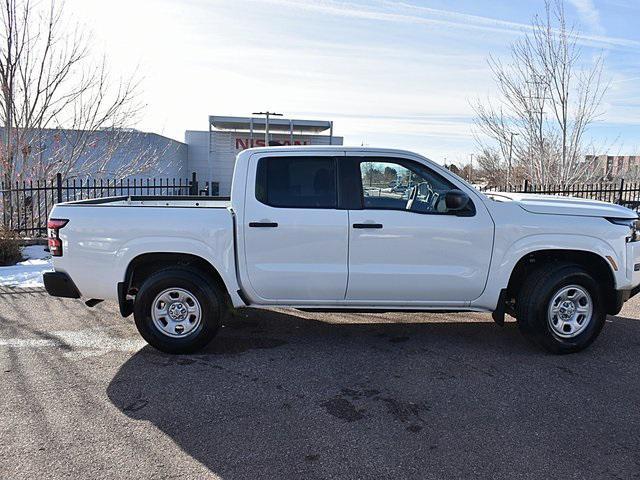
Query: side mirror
455, 200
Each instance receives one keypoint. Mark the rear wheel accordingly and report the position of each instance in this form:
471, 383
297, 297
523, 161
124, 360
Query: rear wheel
178, 310
561, 307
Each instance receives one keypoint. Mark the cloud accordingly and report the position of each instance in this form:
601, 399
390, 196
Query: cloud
397, 12
589, 14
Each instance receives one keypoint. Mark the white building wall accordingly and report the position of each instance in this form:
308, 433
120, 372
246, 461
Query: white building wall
198, 153
223, 159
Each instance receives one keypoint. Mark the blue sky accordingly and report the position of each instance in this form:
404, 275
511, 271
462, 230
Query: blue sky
397, 74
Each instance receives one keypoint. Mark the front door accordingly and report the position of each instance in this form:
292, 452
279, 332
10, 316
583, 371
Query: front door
405, 247
295, 236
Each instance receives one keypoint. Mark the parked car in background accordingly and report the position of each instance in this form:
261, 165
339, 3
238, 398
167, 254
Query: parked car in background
298, 231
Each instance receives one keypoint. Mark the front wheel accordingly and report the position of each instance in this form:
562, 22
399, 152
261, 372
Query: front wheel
561, 307
178, 310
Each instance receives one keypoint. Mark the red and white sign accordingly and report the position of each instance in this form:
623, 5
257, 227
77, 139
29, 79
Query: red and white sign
244, 143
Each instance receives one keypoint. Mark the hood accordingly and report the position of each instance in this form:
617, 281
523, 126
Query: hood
558, 205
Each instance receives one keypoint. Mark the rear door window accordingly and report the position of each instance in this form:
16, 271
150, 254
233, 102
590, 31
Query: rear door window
297, 182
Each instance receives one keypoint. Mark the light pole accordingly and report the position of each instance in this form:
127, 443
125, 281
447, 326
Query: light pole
471, 169
267, 114
510, 154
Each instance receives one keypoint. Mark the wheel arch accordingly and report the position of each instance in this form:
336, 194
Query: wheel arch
145, 264
597, 265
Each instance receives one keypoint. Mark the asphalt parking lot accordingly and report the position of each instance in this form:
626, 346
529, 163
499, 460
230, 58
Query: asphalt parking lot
285, 394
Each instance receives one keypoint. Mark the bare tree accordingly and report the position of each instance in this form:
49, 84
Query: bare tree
491, 168
548, 97
60, 109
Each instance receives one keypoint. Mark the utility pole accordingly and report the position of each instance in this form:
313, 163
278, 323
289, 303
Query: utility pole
267, 114
510, 154
471, 169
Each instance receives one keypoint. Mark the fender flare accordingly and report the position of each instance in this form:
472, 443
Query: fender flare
534, 243
221, 261
504, 262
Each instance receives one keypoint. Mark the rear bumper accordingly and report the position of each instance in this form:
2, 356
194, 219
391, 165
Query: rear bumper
59, 284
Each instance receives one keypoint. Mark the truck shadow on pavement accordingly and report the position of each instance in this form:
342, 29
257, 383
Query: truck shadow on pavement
283, 394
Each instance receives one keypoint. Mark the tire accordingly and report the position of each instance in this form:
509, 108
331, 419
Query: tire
178, 310
544, 310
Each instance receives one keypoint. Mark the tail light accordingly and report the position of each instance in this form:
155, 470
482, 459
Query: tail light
53, 232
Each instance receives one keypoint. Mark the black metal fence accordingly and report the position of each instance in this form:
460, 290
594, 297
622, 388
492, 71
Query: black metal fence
26, 205
622, 193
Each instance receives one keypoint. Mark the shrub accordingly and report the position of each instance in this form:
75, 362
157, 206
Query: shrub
10, 252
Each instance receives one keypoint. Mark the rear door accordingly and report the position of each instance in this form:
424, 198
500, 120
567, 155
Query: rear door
295, 237
405, 247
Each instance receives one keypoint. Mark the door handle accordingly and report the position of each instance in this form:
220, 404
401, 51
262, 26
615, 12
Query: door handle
263, 224
367, 225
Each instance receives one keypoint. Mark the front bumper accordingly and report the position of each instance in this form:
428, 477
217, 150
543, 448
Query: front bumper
631, 283
633, 263
621, 297
59, 284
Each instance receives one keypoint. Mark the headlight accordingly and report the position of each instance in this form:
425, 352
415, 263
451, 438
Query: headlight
632, 223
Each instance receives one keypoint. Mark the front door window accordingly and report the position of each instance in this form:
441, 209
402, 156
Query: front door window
389, 185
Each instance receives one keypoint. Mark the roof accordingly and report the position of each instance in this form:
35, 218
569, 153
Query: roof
288, 148
276, 124
341, 148
133, 132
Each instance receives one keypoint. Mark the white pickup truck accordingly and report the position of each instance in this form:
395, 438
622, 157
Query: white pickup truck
351, 229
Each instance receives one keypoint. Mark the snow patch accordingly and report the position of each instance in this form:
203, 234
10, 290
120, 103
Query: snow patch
28, 273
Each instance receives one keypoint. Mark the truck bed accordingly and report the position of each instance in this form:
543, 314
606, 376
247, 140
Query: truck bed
103, 236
